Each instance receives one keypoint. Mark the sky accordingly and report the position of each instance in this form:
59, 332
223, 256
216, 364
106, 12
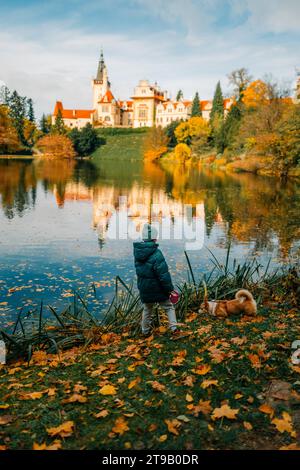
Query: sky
49, 50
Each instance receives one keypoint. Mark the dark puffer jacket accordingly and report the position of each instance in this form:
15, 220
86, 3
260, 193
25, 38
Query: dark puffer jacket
154, 280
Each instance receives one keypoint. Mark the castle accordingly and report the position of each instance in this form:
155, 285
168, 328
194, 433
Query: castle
149, 106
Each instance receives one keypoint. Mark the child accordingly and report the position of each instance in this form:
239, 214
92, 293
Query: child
153, 280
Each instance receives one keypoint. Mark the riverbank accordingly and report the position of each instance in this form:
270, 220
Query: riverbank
241, 164
229, 384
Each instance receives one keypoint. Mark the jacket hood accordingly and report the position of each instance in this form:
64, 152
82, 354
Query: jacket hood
142, 250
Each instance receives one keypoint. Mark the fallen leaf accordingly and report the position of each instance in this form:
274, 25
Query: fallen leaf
134, 383
31, 396
293, 446
102, 414
108, 390
189, 397
267, 409
202, 369
207, 383
284, 424
63, 430
6, 419
173, 426
120, 426
163, 438
157, 386
224, 412
247, 425
56, 445
76, 397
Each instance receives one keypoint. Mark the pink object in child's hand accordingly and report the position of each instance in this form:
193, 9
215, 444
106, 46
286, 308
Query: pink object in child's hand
174, 297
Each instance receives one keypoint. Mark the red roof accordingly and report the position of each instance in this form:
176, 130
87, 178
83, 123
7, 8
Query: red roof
107, 98
72, 113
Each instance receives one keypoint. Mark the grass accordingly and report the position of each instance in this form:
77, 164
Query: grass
119, 391
123, 144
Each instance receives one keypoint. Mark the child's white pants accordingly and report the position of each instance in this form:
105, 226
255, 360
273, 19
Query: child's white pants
147, 317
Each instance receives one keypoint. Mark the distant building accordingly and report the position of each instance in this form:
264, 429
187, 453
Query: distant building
149, 106
73, 117
146, 98
169, 111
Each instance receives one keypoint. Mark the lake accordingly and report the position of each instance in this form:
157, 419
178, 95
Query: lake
66, 224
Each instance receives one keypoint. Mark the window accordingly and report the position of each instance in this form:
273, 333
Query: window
143, 91
107, 118
180, 110
170, 109
143, 113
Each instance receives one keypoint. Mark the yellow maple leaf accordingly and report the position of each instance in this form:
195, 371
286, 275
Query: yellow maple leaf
173, 426
4, 407
120, 426
202, 407
63, 430
224, 412
56, 445
163, 438
108, 390
284, 424
207, 383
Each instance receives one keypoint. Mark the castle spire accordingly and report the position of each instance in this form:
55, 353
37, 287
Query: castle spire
101, 66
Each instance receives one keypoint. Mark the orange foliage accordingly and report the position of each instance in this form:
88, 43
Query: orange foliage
56, 146
255, 94
9, 141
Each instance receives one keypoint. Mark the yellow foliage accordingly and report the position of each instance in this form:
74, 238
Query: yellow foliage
194, 127
255, 94
182, 151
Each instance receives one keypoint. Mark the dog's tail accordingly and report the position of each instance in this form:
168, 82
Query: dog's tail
244, 293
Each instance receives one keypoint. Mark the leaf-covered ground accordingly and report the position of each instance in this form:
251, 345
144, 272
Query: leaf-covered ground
227, 385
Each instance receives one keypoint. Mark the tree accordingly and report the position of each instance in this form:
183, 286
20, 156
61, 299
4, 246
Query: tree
170, 132
56, 146
59, 125
155, 143
195, 127
9, 141
17, 112
30, 112
182, 152
86, 140
239, 79
196, 106
256, 94
4, 95
230, 128
179, 95
217, 104
45, 124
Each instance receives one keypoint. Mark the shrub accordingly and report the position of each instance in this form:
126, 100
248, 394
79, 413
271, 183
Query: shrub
86, 140
56, 146
182, 152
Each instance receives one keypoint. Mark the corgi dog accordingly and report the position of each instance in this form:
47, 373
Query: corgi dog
243, 303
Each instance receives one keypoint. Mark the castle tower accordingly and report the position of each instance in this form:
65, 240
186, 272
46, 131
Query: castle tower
101, 83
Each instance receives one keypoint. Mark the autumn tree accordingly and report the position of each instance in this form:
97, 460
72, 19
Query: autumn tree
239, 80
9, 141
155, 143
56, 146
182, 152
196, 106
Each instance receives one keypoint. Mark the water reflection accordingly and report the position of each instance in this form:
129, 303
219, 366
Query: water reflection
56, 221
249, 208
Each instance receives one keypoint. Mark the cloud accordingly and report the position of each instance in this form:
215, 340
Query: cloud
49, 56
